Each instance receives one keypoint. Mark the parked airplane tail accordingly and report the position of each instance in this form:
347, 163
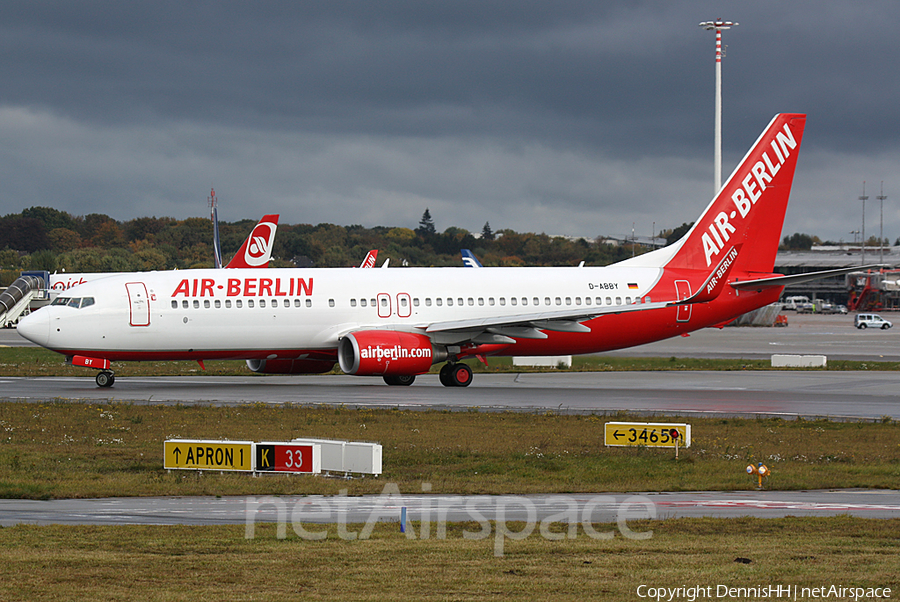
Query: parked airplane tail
741, 228
257, 249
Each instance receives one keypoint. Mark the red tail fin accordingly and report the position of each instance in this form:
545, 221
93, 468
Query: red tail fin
748, 212
257, 249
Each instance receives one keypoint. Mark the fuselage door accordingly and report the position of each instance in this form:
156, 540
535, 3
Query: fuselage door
683, 291
138, 304
384, 305
404, 305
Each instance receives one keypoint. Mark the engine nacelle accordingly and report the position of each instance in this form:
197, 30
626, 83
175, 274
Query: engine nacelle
387, 353
290, 366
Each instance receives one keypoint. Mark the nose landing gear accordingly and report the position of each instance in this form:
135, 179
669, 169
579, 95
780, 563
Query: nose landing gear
106, 378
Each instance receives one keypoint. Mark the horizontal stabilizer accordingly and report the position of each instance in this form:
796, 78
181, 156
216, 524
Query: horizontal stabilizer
773, 281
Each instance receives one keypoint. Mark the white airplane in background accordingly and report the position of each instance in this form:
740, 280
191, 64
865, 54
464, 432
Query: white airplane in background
398, 323
254, 253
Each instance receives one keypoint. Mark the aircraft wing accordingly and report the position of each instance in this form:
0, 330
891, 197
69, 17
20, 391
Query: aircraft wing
567, 320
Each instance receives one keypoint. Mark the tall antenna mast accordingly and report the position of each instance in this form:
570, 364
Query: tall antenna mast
214, 216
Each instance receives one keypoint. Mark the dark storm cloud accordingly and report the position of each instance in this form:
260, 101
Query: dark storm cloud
569, 117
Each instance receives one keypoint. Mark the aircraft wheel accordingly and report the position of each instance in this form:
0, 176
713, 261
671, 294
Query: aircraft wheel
105, 379
403, 380
445, 375
460, 375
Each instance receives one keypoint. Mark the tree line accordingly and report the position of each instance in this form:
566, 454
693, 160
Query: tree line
43, 238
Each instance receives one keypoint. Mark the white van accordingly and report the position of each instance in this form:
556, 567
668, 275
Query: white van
796, 302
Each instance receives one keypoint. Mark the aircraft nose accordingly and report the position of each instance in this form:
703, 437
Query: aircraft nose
36, 327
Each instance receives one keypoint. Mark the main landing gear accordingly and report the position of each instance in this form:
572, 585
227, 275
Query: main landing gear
452, 375
105, 378
401, 380
456, 375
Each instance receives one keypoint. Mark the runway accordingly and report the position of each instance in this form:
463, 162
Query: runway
597, 507
836, 395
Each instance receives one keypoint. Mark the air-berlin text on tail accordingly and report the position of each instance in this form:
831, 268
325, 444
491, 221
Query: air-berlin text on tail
244, 287
750, 188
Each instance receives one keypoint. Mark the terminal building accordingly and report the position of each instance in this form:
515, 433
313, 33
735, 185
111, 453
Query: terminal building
867, 290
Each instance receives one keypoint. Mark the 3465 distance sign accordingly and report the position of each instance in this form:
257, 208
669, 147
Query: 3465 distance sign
647, 434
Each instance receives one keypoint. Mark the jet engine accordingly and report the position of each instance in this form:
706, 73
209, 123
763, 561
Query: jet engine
290, 366
387, 353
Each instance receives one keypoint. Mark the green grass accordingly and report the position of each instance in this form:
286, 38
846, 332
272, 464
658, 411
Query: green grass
218, 563
73, 449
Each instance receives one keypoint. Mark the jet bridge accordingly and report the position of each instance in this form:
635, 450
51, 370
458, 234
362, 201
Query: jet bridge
16, 300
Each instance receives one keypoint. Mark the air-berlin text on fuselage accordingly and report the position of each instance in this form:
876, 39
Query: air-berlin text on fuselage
751, 186
244, 287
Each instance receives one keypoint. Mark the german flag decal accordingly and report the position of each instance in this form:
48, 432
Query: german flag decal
632, 285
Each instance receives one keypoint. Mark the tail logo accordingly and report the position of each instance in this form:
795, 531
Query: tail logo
748, 191
260, 247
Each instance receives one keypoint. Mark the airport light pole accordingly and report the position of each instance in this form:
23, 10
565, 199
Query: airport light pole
863, 235
881, 199
718, 25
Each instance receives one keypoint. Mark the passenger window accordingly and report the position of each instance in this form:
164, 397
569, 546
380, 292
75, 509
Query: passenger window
416, 302
546, 300
480, 300
577, 300
568, 300
352, 302
262, 302
287, 303
609, 300
218, 304
331, 302
427, 301
512, 301
250, 303
647, 300
296, 302
384, 302
403, 302
587, 300
459, 301
536, 301
439, 301
227, 303
238, 303
490, 301
558, 301
449, 301
618, 300
196, 304
362, 302
524, 300
174, 304
206, 303
372, 302
471, 301
309, 303
502, 301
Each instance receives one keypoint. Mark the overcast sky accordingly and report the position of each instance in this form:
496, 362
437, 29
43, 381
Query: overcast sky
565, 117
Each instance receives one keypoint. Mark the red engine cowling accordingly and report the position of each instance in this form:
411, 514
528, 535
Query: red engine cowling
387, 353
286, 366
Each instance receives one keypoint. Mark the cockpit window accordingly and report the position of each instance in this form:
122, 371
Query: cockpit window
75, 302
